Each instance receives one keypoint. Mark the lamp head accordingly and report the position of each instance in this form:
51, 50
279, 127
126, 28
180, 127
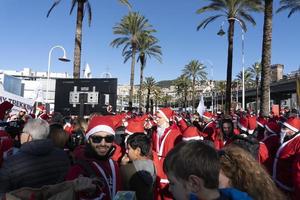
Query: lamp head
64, 59
221, 32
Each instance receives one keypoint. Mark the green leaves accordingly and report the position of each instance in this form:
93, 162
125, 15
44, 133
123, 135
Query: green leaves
292, 5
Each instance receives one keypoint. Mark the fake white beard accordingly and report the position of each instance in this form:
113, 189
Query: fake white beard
160, 131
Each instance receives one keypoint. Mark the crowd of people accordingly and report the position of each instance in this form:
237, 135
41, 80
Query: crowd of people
159, 156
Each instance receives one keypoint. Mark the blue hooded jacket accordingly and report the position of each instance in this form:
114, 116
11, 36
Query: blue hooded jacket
228, 194
233, 194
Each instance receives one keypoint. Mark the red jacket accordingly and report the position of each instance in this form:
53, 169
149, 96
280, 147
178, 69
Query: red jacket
182, 125
106, 170
286, 168
209, 130
6, 145
272, 143
161, 146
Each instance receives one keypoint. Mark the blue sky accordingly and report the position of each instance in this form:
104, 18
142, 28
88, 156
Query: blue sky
27, 36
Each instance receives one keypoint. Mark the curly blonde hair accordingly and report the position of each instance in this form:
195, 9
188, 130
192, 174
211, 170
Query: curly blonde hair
247, 175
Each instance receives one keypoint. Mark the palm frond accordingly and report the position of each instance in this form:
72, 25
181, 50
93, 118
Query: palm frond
53, 5
89, 11
73, 6
208, 20
126, 3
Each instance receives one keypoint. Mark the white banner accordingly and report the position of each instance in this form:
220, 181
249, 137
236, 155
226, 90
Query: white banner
18, 101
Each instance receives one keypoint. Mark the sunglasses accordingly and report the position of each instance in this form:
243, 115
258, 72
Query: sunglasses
98, 139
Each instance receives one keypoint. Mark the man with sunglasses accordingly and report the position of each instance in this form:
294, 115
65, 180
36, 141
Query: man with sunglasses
95, 159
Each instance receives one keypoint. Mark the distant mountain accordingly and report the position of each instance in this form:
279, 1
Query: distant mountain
165, 83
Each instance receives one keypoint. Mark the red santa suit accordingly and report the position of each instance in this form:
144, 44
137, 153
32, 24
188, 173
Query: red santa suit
272, 143
6, 144
209, 130
161, 146
286, 168
106, 169
182, 124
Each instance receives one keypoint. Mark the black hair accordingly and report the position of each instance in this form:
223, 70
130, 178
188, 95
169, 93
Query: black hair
249, 143
140, 140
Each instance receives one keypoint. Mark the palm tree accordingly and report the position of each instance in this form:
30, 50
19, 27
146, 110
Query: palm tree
166, 99
183, 84
255, 70
147, 48
149, 84
232, 10
292, 5
157, 95
266, 59
195, 70
130, 28
248, 78
221, 88
82, 5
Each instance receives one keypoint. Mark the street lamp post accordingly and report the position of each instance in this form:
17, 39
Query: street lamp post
63, 59
221, 33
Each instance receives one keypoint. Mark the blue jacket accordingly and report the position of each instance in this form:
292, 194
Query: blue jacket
228, 194
233, 194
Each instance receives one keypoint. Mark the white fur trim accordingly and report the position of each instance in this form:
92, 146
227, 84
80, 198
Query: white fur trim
268, 129
250, 131
164, 116
242, 127
290, 127
99, 128
164, 180
260, 124
130, 133
192, 138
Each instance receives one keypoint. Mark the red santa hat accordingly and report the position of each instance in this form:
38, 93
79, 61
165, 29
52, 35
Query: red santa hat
207, 115
32, 115
261, 121
135, 125
272, 127
243, 123
293, 123
251, 124
117, 120
167, 113
4, 107
191, 133
41, 108
44, 116
100, 123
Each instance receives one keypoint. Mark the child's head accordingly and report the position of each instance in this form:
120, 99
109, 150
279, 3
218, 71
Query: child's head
139, 146
192, 167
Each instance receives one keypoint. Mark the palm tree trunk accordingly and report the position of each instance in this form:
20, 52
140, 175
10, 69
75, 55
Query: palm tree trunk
148, 101
78, 39
185, 97
222, 102
266, 59
132, 76
229, 66
193, 95
141, 87
257, 94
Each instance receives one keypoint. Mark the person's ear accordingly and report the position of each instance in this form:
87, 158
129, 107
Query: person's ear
138, 151
195, 183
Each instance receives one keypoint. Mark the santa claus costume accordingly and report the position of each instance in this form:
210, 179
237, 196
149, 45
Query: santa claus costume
286, 167
163, 140
102, 167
